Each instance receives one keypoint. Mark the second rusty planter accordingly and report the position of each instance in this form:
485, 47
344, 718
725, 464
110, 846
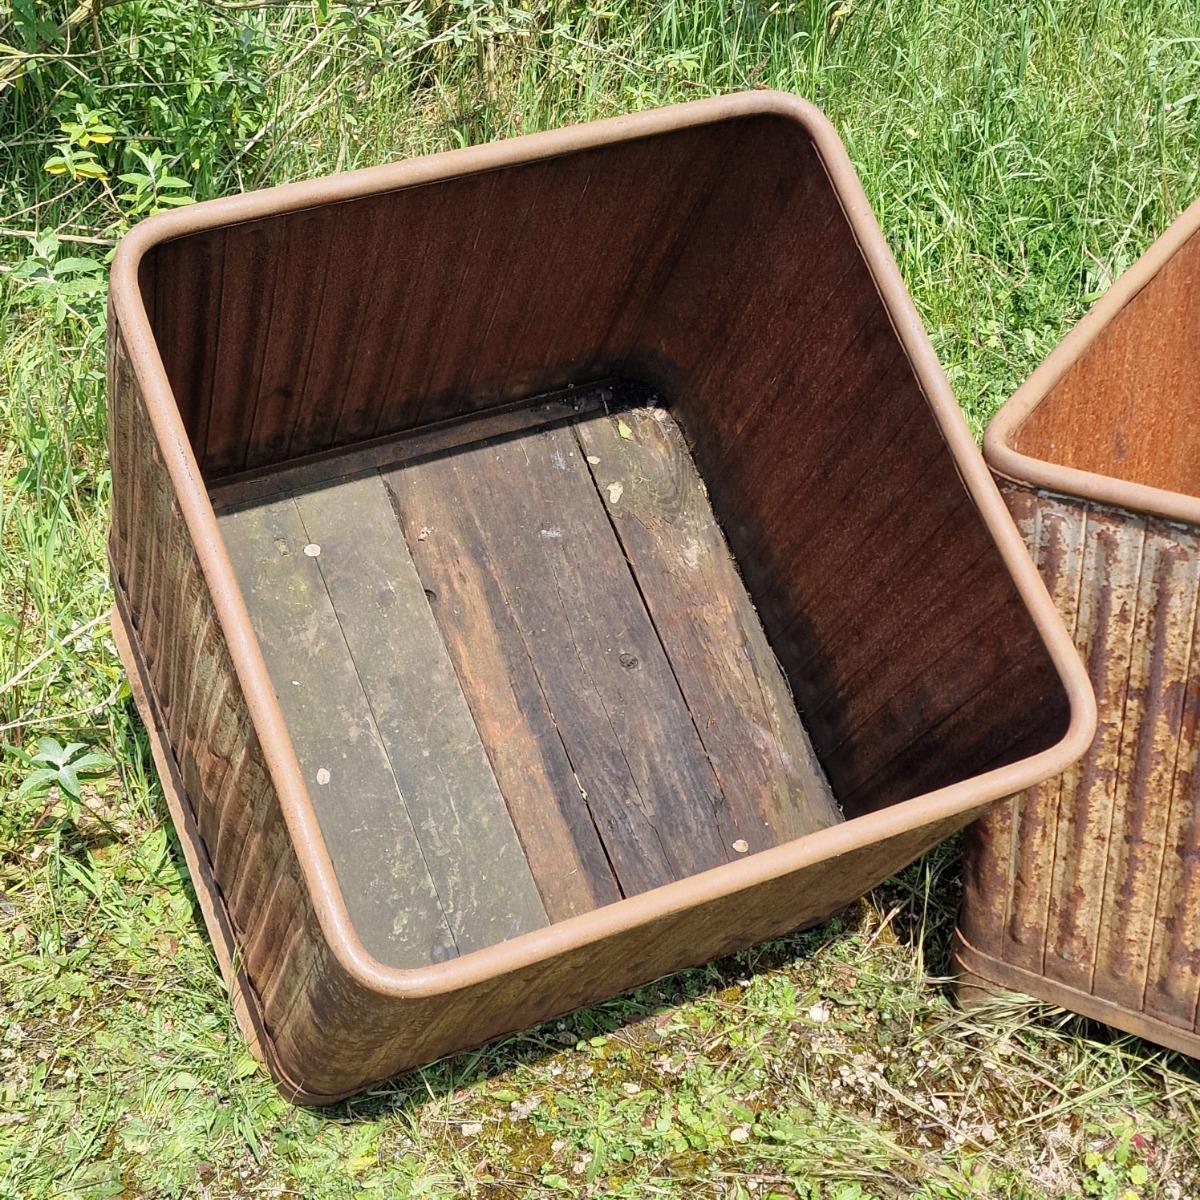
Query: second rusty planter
1085, 891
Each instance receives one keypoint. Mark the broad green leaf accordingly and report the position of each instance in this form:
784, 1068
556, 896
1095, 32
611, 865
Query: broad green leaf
49, 750
37, 781
68, 780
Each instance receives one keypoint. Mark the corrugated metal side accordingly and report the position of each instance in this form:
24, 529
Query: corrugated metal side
1091, 882
198, 706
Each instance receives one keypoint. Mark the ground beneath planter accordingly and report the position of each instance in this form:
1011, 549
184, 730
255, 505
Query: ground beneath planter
521, 671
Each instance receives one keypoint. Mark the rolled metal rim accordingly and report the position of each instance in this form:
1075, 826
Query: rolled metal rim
999, 442
540, 945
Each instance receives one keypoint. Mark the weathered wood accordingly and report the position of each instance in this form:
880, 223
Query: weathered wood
523, 742
187, 334
471, 849
1173, 964
559, 569
365, 822
327, 466
727, 672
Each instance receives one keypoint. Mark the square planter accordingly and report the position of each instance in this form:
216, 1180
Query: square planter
1086, 890
549, 565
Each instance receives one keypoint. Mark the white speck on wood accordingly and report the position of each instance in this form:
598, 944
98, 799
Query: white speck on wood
741, 845
322, 776
593, 459
615, 492
551, 533
312, 549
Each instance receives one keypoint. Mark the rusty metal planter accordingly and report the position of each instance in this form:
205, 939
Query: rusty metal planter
1085, 891
721, 253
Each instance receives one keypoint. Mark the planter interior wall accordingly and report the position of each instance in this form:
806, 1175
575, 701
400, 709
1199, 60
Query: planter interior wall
1086, 891
550, 565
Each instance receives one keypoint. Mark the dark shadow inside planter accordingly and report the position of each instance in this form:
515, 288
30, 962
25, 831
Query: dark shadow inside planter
523, 683
1127, 406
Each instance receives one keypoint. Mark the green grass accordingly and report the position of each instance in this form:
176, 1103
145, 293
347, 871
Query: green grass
1019, 156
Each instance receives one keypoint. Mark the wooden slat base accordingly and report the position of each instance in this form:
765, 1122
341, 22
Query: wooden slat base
522, 675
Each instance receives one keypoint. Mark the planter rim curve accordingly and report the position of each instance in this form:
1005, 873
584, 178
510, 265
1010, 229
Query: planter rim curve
269, 726
999, 447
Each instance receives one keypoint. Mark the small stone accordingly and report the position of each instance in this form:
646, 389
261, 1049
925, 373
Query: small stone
741, 845
740, 1133
631, 1089
472, 1128
322, 776
820, 1012
522, 1108
312, 549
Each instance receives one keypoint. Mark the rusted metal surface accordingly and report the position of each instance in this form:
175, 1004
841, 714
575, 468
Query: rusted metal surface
847, 543
1085, 890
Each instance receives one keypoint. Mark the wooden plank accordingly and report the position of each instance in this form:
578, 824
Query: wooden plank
726, 669
470, 845
527, 754
326, 466
547, 543
374, 848
350, 237
186, 332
